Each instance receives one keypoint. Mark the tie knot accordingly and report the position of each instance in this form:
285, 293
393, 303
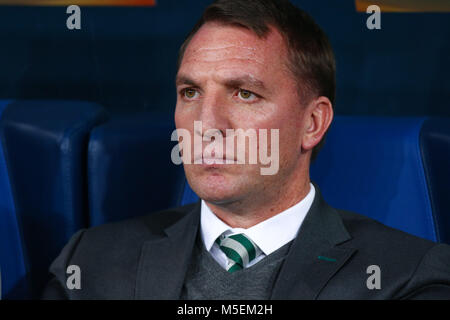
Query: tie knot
239, 249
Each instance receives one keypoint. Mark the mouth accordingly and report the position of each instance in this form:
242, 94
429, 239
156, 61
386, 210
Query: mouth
212, 161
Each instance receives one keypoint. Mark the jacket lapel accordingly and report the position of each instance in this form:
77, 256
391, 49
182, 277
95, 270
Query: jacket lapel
312, 261
314, 256
164, 260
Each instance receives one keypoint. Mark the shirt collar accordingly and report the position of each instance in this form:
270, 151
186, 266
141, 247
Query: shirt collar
269, 235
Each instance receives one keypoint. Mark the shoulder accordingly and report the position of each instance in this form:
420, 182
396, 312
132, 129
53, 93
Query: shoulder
410, 263
370, 234
108, 255
408, 266
135, 230
119, 242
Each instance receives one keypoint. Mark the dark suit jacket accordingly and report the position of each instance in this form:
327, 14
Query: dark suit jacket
147, 258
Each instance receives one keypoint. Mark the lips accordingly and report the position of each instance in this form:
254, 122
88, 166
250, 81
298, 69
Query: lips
218, 161
212, 160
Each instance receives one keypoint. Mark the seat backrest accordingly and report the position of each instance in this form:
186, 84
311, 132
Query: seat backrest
394, 170
45, 145
12, 263
130, 172
435, 148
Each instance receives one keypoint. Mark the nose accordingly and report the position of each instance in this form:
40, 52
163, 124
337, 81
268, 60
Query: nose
214, 114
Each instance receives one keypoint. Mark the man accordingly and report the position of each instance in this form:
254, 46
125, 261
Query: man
260, 64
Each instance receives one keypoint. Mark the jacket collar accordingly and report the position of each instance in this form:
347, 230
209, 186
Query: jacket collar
313, 259
314, 256
164, 260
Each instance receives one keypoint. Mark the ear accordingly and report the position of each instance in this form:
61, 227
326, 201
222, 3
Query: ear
318, 119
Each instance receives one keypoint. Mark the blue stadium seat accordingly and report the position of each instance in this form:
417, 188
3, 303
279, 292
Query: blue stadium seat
45, 144
130, 172
395, 170
12, 264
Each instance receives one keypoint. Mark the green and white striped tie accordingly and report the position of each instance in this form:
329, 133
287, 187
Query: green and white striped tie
239, 249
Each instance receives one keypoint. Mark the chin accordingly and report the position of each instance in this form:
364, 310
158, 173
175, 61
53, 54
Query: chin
215, 187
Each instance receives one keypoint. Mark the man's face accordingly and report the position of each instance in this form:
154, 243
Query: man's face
231, 79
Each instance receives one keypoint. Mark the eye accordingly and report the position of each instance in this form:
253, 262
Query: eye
246, 95
190, 93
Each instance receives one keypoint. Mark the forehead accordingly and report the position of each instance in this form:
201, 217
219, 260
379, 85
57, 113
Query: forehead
230, 46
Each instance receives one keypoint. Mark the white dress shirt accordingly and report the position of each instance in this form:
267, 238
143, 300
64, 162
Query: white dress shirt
269, 235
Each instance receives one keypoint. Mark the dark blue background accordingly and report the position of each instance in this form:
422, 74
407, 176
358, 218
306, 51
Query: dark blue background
125, 58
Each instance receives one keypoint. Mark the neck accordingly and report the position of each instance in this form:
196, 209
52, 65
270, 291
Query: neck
250, 211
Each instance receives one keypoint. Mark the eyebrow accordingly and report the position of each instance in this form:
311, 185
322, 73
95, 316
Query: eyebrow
182, 79
245, 80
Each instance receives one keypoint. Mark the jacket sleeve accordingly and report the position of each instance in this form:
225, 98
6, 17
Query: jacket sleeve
56, 289
431, 279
